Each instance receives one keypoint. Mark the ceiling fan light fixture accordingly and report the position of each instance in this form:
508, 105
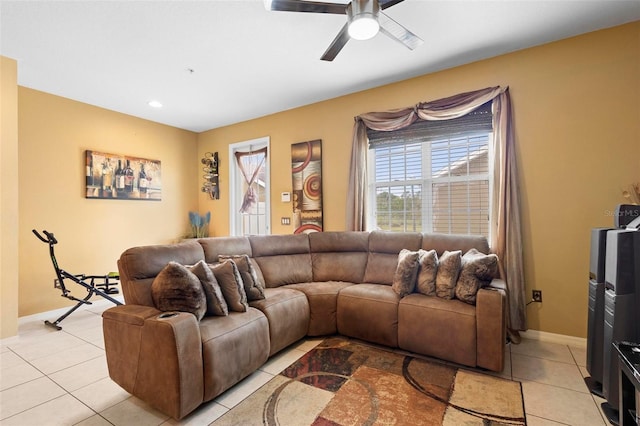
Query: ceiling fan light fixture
363, 19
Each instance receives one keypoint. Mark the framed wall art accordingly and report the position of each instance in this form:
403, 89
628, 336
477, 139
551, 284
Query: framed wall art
122, 177
306, 171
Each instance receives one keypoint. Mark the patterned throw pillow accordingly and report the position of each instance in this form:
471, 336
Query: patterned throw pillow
252, 285
428, 261
230, 281
216, 305
478, 269
176, 288
404, 279
449, 266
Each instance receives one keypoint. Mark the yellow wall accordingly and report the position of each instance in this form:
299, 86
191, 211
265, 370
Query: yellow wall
8, 197
577, 120
54, 133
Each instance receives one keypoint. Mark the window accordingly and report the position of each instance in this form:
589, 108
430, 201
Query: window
433, 176
249, 183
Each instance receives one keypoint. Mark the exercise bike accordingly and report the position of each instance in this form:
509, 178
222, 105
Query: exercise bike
102, 285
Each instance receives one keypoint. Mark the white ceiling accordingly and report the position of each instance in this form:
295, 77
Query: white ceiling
248, 62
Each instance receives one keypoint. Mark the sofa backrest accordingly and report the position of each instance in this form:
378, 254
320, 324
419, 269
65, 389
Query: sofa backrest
138, 267
215, 246
228, 246
384, 248
339, 256
283, 259
358, 257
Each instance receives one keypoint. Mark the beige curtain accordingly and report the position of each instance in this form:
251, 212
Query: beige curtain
506, 240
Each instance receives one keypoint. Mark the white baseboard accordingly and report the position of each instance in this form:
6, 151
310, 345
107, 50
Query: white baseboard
560, 339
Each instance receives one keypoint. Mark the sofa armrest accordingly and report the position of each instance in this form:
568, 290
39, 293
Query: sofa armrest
156, 356
491, 325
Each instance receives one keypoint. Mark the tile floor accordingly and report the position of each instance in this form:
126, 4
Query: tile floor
50, 377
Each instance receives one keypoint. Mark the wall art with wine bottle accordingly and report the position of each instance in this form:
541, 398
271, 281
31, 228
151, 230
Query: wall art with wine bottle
122, 177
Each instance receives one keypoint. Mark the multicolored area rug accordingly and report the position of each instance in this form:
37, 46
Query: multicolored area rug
342, 382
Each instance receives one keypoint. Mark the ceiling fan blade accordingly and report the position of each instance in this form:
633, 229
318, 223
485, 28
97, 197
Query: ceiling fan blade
398, 32
337, 44
305, 6
384, 4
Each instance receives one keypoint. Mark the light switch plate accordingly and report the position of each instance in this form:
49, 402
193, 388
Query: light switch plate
285, 197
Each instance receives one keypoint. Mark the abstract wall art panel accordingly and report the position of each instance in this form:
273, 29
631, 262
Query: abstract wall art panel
306, 171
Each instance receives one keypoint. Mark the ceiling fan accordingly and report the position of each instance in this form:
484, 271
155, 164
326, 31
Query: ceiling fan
364, 19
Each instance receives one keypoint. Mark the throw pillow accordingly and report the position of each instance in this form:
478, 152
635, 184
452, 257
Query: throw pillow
252, 286
230, 281
216, 305
428, 261
449, 266
176, 288
404, 279
478, 269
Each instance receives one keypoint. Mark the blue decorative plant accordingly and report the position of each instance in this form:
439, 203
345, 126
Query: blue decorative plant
199, 224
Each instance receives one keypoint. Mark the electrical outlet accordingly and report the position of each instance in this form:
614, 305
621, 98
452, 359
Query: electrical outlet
537, 295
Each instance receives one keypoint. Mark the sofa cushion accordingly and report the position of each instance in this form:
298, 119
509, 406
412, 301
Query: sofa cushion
369, 312
288, 313
216, 305
478, 269
323, 305
252, 285
231, 285
426, 283
176, 288
449, 266
437, 327
247, 333
404, 280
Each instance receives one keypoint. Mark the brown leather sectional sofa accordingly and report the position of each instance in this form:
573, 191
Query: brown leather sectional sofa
317, 284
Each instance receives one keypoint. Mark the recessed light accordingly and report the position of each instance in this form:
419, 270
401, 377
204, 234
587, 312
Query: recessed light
155, 104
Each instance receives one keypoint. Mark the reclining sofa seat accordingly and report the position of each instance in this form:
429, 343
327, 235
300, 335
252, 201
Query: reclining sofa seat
316, 284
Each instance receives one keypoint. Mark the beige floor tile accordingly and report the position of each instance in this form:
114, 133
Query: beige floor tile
236, 394
41, 345
539, 421
560, 405
89, 334
15, 371
95, 420
203, 415
545, 350
27, 395
281, 361
307, 344
101, 395
82, 318
548, 372
579, 355
66, 358
64, 410
83, 374
133, 411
